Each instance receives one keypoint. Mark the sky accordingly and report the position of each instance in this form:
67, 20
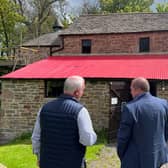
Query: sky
160, 1
75, 3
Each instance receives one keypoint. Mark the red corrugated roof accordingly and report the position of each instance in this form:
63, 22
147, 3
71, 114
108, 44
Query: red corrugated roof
148, 66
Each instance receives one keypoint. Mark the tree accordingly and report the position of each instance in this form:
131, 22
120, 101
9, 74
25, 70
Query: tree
41, 10
9, 19
65, 17
40, 15
162, 7
113, 6
21, 20
90, 8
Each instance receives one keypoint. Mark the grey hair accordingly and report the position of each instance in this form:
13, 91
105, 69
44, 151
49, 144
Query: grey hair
141, 83
73, 83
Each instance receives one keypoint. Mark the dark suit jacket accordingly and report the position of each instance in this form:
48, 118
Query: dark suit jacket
143, 133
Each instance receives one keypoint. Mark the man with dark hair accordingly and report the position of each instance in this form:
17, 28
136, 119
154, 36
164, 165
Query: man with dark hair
143, 130
63, 129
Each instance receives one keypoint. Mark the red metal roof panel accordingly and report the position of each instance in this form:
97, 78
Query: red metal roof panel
119, 66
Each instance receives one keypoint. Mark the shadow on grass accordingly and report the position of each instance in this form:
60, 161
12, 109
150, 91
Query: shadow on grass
24, 138
102, 137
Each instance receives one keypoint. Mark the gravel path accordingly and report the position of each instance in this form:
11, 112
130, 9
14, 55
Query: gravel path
107, 159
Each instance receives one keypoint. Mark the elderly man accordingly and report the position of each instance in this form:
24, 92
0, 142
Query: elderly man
63, 129
143, 129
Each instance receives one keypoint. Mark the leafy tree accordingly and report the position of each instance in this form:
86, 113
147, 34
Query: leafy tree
41, 10
41, 15
90, 8
113, 6
63, 13
162, 7
9, 19
21, 20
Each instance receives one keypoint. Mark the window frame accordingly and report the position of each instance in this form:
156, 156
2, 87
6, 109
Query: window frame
87, 47
53, 85
144, 44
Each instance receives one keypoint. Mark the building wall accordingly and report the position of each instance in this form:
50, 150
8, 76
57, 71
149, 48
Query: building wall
27, 55
22, 99
116, 43
97, 100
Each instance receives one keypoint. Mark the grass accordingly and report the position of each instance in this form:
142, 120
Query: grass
18, 153
17, 156
94, 151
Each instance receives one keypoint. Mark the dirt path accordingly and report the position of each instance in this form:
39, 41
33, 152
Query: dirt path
108, 159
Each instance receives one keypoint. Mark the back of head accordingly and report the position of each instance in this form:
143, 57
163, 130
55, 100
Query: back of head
73, 83
141, 83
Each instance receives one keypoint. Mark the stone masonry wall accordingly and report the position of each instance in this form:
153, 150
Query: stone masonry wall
27, 55
116, 43
97, 100
21, 100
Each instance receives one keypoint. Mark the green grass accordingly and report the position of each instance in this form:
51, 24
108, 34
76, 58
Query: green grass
17, 156
93, 151
18, 153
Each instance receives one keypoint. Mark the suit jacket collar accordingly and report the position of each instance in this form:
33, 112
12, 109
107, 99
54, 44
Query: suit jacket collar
141, 95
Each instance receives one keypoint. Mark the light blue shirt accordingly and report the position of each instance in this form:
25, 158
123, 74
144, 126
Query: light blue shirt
87, 135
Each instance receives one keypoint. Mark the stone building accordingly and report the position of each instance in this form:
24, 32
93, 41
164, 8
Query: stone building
108, 50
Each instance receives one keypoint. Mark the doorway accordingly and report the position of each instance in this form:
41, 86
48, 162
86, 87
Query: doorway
120, 94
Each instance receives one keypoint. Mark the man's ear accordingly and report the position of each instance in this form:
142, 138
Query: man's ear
76, 93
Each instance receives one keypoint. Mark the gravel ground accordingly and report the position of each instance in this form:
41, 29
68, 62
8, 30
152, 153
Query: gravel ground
107, 159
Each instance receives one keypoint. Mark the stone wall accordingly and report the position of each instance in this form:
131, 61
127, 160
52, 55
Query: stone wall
21, 100
97, 100
27, 55
116, 43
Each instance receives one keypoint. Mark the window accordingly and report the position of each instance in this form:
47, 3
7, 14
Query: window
53, 88
86, 46
144, 44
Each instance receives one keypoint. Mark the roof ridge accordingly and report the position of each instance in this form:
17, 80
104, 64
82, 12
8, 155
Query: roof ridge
124, 13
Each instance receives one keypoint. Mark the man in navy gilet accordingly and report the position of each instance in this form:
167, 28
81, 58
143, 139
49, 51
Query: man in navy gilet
63, 129
143, 129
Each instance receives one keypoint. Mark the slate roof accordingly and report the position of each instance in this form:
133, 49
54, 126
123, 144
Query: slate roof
49, 39
118, 23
